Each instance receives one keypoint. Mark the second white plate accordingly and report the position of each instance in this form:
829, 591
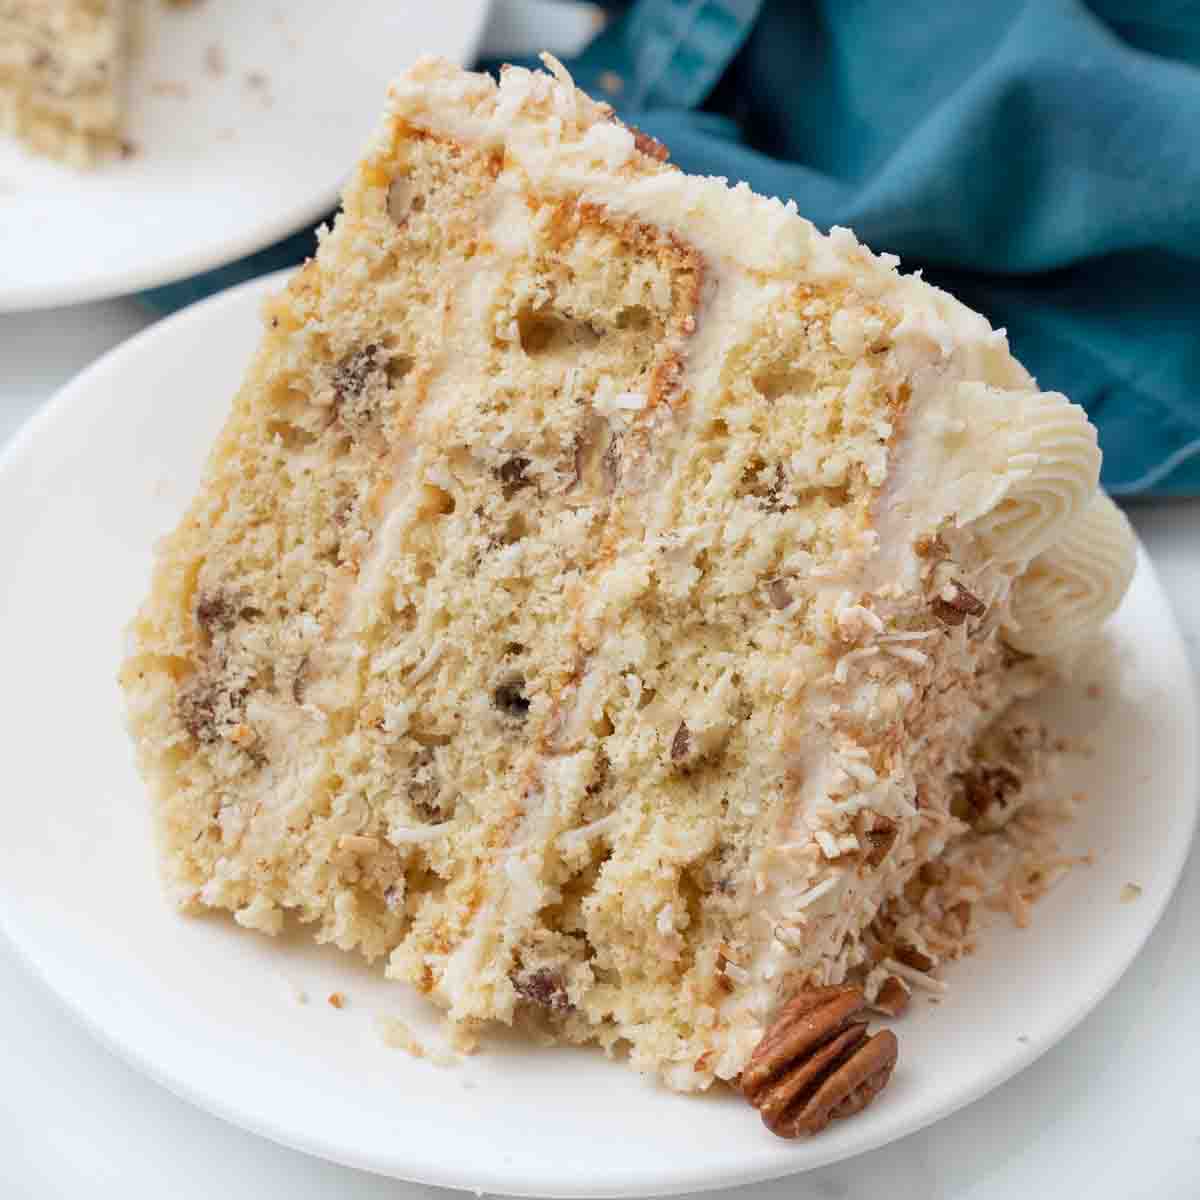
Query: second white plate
244, 119
212, 1011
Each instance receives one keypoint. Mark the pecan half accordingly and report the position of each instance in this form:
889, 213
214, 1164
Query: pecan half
816, 1063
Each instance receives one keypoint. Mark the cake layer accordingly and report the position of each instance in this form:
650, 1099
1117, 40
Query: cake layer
594, 602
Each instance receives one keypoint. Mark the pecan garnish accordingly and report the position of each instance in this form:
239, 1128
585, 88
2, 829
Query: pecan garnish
816, 1063
954, 604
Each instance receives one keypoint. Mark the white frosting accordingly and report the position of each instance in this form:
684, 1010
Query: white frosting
1051, 469
1072, 588
1015, 466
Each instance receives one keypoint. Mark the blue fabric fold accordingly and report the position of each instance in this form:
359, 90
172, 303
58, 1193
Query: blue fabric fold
1039, 158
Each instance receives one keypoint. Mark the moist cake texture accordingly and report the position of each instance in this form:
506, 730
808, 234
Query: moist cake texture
62, 66
608, 593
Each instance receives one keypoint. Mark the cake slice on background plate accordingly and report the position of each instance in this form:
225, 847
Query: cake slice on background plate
62, 71
607, 597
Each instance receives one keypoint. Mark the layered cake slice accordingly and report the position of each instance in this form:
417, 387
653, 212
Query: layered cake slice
608, 593
62, 67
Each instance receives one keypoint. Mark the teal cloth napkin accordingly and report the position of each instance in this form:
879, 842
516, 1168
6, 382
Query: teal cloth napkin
1039, 158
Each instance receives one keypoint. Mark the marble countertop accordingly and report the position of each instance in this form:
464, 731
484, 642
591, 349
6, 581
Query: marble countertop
1110, 1113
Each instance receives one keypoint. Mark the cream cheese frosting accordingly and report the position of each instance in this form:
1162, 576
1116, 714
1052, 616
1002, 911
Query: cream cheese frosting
1073, 587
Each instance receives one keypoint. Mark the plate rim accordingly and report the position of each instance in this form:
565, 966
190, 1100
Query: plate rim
493, 1175
190, 262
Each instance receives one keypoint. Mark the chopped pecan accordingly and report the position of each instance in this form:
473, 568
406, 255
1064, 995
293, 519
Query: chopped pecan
930, 546
512, 475
892, 998
934, 874
681, 743
880, 840
544, 987
400, 195
648, 145
910, 956
817, 1064
610, 464
779, 593
353, 371
986, 791
215, 612
299, 679
962, 913
954, 604
509, 697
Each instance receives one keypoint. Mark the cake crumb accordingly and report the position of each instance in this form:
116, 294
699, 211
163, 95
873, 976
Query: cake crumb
258, 83
1130, 892
337, 1000
395, 1034
214, 59
462, 1038
171, 88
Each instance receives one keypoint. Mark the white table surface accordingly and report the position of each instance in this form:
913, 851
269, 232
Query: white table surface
1112, 1112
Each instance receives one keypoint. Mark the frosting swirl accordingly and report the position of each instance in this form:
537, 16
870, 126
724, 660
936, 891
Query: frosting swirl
1052, 468
1072, 587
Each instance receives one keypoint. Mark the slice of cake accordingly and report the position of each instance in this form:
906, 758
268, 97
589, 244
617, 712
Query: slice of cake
62, 67
608, 593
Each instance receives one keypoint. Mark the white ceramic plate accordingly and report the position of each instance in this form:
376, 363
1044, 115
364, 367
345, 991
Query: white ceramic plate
211, 1010
224, 162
